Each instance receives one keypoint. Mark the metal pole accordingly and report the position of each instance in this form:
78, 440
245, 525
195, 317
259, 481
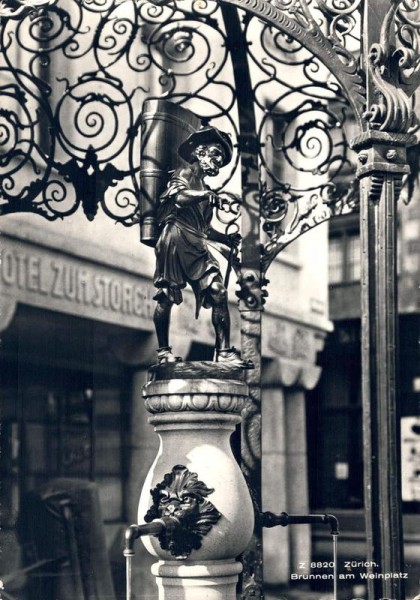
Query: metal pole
251, 295
382, 164
381, 434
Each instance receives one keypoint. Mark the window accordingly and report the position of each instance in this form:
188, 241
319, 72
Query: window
344, 257
353, 257
334, 424
335, 260
344, 254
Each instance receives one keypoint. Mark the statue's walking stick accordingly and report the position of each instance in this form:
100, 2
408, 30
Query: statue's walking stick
232, 255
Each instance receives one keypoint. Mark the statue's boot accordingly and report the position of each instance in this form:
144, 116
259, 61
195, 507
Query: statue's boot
232, 356
165, 355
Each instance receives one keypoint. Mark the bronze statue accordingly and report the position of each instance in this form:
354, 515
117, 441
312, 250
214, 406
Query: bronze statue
184, 215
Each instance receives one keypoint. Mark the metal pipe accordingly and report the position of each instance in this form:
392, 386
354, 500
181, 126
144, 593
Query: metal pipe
269, 519
133, 532
283, 519
335, 563
89, 402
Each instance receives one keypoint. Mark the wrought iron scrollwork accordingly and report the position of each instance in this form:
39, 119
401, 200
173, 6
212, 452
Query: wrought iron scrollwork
71, 102
395, 69
74, 77
408, 51
306, 169
16, 9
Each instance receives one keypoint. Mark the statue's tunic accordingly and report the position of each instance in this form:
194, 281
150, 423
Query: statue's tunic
182, 254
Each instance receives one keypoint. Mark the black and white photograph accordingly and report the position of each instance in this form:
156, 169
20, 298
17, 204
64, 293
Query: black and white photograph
209, 300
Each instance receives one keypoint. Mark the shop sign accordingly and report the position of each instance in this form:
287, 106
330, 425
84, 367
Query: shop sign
39, 277
410, 458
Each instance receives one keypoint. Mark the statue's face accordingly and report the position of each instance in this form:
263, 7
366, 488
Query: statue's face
210, 158
177, 504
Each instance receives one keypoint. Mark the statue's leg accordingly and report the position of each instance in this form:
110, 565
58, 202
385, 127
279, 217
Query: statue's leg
162, 319
220, 314
221, 323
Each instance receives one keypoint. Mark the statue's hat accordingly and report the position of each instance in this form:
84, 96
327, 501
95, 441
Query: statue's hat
206, 135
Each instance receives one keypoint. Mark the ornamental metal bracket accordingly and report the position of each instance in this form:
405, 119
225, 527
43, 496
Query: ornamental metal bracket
398, 47
391, 61
381, 153
393, 67
252, 293
182, 496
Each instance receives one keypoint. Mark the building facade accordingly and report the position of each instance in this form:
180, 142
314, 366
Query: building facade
77, 340
336, 460
77, 296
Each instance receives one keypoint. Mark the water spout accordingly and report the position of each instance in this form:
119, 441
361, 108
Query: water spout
269, 519
132, 533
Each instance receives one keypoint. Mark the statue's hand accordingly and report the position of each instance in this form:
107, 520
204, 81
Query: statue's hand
234, 239
213, 198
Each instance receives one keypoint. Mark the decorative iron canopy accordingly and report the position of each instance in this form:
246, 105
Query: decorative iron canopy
74, 76
289, 80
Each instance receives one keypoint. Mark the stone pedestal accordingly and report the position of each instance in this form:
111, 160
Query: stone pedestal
194, 417
209, 580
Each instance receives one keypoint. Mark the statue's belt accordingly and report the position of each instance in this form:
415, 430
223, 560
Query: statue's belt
183, 226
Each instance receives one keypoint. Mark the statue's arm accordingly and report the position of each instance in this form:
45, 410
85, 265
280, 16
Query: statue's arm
231, 240
188, 196
216, 236
180, 188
